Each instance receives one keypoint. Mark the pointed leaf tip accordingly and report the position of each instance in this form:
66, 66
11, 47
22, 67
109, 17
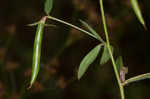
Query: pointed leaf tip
87, 60
137, 11
92, 30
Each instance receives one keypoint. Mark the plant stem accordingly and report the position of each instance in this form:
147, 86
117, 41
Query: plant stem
73, 26
136, 78
110, 51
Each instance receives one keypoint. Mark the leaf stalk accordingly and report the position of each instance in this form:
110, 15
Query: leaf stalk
73, 26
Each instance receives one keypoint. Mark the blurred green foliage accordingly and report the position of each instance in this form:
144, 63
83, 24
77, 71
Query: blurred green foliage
63, 49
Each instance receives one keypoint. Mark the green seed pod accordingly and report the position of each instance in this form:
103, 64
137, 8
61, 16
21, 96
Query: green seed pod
37, 50
137, 11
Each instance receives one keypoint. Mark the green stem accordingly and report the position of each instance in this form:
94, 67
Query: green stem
73, 26
110, 52
136, 78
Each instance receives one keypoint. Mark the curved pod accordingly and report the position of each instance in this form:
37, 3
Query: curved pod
37, 51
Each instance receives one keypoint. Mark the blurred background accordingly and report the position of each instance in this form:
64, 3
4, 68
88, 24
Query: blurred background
63, 48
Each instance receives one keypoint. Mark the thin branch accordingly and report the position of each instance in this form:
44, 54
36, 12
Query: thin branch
110, 51
73, 26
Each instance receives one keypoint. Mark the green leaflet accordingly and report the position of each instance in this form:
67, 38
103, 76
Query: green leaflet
137, 11
119, 63
87, 60
37, 52
105, 55
92, 31
48, 6
137, 78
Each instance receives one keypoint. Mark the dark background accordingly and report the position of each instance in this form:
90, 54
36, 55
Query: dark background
63, 48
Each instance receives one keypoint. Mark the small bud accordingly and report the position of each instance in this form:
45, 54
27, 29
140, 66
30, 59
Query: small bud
123, 72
